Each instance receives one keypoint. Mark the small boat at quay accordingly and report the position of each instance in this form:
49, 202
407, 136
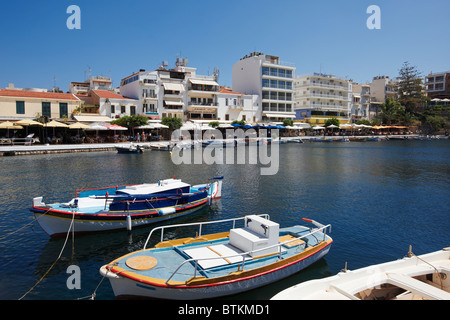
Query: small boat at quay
219, 264
424, 277
124, 207
131, 148
161, 147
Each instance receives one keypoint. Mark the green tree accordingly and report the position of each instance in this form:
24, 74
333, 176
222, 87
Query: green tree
214, 124
288, 122
241, 122
433, 124
172, 123
331, 121
410, 90
131, 121
390, 111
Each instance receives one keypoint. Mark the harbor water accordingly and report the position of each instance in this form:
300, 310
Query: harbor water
379, 197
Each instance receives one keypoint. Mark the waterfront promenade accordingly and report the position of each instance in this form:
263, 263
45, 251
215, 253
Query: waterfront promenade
18, 150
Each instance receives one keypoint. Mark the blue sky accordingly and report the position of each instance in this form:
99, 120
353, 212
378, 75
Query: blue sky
118, 38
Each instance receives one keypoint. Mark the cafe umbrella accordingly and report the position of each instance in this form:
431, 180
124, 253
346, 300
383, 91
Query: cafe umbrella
9, 126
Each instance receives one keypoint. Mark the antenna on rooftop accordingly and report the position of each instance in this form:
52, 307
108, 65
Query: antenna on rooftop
216, 74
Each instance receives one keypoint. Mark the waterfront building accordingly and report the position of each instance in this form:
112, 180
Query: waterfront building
177, 92
237, 106
143, 87
271, 80
113, 105
437, 86
23, 104
381, 88
360, 101
319, 97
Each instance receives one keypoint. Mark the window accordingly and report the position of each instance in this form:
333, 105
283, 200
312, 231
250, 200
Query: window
63, 110
273, 83
20, 107
132, 110
113, 108
288, 85
273, 95
265, 71
289, 74
265, 83
46, 109
273, 72
122, 109
281, 73
281, 84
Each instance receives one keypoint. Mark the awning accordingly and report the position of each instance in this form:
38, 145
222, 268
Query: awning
173, 86
173, 103
302, 125
93, 118
205, 82
279, 115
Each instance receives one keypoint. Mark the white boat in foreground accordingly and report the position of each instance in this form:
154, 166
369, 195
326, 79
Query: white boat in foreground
219, 264
424, 277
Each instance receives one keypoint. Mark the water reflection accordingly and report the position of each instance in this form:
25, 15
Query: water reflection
379, 198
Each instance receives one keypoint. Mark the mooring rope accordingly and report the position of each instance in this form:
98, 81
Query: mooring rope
57, 259
26, 225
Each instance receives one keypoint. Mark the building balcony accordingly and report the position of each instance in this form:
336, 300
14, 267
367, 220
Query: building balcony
323, 85
202, 104
324, 96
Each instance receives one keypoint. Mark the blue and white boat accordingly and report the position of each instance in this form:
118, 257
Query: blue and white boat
218, 264
124, 207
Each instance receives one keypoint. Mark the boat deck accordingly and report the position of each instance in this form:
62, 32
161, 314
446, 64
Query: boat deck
217, 257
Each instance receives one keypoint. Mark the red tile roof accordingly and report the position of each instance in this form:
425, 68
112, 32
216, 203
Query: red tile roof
38, 95
227, 90
110, 95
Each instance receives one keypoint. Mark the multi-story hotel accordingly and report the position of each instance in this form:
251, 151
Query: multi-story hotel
265, 76
437, 85
319, 97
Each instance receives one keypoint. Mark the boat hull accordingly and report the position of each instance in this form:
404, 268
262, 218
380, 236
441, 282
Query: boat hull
57, 224
57, 221
125, 287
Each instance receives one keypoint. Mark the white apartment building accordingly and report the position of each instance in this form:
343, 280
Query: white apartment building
237, 106
360, 101
177, 92
273, 82
319, 97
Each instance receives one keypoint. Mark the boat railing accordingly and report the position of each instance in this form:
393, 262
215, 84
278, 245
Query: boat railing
322, 228
200, 224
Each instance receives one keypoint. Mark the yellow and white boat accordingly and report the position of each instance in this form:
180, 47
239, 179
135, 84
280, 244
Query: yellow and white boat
219, 264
